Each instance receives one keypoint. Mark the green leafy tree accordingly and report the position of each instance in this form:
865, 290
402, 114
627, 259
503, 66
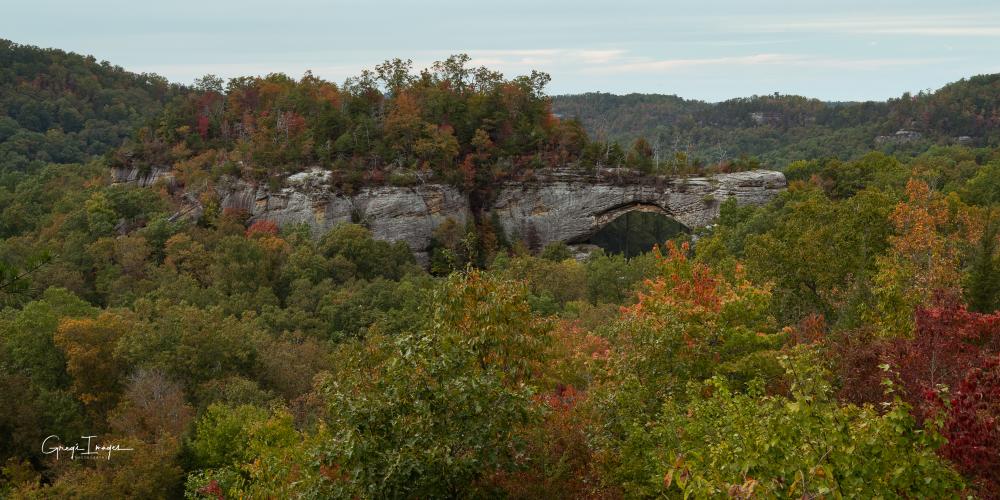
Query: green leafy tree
189, 344
435, 411
983, 282
750, 444
370, 258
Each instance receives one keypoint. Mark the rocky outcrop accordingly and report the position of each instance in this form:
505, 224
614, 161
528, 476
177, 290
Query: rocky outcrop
900, 137
142, 178
407, 214
572, 208
561, 205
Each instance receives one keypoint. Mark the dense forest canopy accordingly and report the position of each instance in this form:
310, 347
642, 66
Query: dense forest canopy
842, 340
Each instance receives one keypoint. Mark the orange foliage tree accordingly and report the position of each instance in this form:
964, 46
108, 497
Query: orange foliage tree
923, 258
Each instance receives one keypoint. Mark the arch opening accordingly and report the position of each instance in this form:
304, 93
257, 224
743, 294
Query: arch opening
635, 232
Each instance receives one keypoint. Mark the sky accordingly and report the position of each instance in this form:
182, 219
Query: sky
844, 50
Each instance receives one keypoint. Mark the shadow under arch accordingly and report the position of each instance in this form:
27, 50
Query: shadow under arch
634, 229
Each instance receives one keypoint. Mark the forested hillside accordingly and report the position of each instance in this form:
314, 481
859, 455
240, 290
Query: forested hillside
780, 129
841, 341
66, 108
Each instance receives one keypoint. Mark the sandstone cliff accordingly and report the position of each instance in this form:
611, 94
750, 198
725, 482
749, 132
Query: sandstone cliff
560, 205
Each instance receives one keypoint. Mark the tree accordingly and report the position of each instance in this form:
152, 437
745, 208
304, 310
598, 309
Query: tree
91, 361
15, 282
28, 336
370, 258
145, 472
613, 278
641, 155
557, 281
819, 253
101, 216
972, 426
152, 408
984, 187
557, 251
221, 426
922, 262
386, 118
689, 324
983, 282
185, 255
209, 83
189, 344
746, 445
292, 364
947, 340
270, 463
403, 124
435, 411
437, 148
242, 265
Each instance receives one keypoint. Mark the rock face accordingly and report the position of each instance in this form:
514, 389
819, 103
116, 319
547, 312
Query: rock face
572, 208
141, 178
407, 214
560, 206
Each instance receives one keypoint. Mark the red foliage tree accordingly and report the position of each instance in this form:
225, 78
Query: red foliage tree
953, 348
212, 489
203, 126
972, 427
264, 226
948, 340
859, 354
558, 461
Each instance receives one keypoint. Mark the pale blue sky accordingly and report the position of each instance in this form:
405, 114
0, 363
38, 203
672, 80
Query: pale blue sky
710, 49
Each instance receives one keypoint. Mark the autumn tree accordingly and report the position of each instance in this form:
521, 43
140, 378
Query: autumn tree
922, 260
689, 324
972, 426
91, 360
152, 408
947, 340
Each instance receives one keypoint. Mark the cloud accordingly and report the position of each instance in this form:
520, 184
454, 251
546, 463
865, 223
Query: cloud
667, 65
948, 26
511, 62
614, 61
848, 64
784, 60
599, 56
737, 43
542, 58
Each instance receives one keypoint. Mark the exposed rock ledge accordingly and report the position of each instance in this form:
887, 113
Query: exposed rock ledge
558, 206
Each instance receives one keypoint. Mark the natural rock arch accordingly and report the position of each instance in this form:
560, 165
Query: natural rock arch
570, 208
